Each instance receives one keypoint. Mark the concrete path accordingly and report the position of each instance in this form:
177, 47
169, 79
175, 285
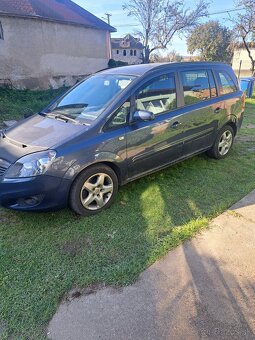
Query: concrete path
205, 289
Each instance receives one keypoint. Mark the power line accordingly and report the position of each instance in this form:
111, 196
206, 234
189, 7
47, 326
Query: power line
205, 15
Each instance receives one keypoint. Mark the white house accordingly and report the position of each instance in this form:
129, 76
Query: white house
127, 49
241, 55
50, 43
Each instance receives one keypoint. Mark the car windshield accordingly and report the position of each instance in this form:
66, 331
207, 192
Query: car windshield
90, 98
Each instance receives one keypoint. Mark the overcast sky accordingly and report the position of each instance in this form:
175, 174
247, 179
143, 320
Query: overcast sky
124, 24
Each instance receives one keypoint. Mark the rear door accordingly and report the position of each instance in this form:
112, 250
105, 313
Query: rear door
152, 144
201, 109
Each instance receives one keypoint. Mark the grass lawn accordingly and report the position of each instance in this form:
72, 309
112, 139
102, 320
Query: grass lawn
43, 256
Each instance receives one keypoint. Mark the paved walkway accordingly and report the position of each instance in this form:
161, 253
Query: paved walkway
205, 289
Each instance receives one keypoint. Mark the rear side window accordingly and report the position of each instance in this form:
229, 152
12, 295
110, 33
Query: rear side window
226, 83
195, 86
158, 95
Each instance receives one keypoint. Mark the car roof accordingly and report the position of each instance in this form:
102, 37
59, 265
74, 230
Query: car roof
141, 69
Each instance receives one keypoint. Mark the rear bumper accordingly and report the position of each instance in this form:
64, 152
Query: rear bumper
40, 193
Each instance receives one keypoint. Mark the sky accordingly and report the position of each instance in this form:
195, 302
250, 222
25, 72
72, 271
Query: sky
125, 24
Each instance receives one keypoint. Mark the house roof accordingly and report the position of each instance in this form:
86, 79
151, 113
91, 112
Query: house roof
65, 11
131, 42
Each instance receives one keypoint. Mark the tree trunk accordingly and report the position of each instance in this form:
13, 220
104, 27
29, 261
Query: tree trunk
250, 55
146, 57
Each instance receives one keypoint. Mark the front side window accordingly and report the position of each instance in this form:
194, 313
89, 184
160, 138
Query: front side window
120, 117
1, 31
226, 83
195, 86
89, 99
158, 95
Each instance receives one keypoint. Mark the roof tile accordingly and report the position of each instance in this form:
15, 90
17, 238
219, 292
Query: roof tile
57, 10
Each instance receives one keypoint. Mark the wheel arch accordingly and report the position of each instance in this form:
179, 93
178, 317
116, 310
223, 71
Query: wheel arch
108, 163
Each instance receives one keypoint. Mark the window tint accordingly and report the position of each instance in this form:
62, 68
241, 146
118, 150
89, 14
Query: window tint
1, 31
195, 86
226, 83
120, 117
158, 95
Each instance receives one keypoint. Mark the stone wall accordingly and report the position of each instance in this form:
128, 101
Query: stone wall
41, 54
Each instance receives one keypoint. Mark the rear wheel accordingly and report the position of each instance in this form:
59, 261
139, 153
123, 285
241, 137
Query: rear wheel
223, 143
93, 190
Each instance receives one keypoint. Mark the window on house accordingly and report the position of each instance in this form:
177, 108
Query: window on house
1, 31
131, 53
117, 51
124, 53
135, 53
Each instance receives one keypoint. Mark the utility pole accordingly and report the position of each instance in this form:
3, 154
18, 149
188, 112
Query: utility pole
107, 18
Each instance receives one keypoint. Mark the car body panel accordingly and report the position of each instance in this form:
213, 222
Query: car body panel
132, 150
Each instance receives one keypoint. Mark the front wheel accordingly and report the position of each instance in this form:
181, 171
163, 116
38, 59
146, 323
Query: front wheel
93, 190
223, 143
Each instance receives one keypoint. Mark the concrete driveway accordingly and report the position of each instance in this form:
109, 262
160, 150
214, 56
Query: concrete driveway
205, 289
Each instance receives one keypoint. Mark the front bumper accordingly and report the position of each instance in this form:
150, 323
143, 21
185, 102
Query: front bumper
39, 193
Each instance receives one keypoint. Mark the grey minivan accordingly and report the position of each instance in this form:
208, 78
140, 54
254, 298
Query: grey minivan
115, 126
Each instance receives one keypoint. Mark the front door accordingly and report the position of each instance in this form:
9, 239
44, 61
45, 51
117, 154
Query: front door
153, 144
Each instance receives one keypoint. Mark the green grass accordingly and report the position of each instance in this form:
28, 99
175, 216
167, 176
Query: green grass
14, 103
43, 256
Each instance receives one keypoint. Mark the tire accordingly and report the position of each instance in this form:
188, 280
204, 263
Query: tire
93, 190
223, 143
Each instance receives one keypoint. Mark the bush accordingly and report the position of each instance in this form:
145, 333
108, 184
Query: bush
116, 63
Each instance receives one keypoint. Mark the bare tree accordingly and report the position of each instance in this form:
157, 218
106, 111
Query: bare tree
161, 20
245, 28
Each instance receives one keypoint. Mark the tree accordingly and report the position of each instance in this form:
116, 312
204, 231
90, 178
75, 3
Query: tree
212, 41
170, 57
245, 27
174, 56
161, 20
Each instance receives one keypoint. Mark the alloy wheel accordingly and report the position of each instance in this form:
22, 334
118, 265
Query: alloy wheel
96, 191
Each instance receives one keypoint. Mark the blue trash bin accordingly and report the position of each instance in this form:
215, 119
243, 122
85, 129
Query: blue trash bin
247, 85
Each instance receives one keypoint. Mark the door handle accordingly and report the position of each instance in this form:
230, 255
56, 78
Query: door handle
176, 125
217, 110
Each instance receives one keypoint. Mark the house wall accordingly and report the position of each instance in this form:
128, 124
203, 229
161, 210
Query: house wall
242, 54
131, 60
39, 54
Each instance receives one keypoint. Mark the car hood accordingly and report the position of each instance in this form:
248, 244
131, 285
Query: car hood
37, 133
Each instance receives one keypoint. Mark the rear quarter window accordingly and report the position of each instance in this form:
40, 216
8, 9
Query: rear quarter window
226, 83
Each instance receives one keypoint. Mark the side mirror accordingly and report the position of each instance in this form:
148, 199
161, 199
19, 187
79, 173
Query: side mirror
143, 116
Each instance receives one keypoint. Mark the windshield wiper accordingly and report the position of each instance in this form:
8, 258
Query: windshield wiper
64, 118
69, 106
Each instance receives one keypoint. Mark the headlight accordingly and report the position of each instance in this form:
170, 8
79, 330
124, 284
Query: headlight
31, 165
